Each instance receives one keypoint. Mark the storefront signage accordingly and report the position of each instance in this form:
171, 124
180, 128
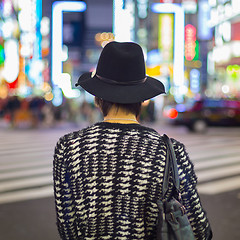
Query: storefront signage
223, 33
225, 52
223, 12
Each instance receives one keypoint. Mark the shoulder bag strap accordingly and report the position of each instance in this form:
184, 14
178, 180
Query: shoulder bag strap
171, 164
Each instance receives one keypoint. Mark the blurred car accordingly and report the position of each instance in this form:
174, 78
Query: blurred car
198, 115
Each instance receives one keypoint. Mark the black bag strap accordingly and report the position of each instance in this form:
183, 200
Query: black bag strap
171, 164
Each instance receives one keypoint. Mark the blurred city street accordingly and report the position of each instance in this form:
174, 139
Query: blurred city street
191, 46
26, 192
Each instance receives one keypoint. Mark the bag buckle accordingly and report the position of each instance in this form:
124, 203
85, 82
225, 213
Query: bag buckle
183, 209
172, 217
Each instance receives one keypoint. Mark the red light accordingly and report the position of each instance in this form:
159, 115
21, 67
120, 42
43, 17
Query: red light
172, 113
190, 42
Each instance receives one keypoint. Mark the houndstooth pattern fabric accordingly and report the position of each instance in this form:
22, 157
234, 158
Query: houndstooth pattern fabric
108, 177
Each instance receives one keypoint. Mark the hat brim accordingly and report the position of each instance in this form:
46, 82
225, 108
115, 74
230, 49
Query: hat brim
121, 93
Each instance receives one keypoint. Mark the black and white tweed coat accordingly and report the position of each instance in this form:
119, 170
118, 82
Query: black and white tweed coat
108, 177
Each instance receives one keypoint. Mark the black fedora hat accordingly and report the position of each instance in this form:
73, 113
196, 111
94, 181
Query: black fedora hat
120, 75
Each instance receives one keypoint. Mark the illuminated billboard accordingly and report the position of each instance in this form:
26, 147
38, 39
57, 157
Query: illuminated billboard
124, 20
178, 44
165, 36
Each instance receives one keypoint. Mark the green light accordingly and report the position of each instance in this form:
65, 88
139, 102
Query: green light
233, 72
2, 55
196, 57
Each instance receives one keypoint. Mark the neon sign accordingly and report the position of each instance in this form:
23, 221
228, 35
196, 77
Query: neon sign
11, 63
204, 30
142, 6
178, 50
166, 1
165, 38
190, 42
60, 80
195, 80
124, 20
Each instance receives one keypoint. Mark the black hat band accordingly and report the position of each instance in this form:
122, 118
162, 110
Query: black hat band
114, 82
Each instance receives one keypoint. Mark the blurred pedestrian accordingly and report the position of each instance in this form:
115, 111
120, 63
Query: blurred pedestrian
48, 115
12, 107
108, 176
36, 106
23, 117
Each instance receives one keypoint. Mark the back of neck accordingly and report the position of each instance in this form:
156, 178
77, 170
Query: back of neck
120, 116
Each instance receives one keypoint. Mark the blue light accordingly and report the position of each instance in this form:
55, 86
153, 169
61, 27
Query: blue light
195, 80
180, 107
204, 31
153, 58
72, 6
166, 7
57, 96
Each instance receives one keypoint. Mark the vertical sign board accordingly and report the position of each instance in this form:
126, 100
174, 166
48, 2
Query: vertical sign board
178, 48
195, 80
36, 74
190, 42
204, 34
124, 20
61, 82
204, 30
165, 36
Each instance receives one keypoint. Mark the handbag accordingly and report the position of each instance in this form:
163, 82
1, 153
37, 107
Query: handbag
173, 223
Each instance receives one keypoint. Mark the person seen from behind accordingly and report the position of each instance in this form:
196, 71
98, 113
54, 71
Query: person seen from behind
108, 176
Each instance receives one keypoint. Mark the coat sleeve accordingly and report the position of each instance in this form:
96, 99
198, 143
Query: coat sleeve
63, 198
190, 197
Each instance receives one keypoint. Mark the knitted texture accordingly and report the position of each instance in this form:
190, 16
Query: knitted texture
108, 177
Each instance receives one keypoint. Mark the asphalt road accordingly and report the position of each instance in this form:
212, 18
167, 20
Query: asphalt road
27, 208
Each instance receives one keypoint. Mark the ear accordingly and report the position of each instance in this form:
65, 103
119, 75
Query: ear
97, 102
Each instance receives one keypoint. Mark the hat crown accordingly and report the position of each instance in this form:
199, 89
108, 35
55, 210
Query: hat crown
120, 75
121, 62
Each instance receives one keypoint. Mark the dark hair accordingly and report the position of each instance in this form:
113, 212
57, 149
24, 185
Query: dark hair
105, 106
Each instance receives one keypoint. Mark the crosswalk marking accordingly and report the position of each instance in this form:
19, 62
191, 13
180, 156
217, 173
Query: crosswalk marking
216, 163
33, 156
25, 183
211, 174
212, 144
26, 163
26, 195
220, 186
24, 142
25, 173
212, 153
25, 150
